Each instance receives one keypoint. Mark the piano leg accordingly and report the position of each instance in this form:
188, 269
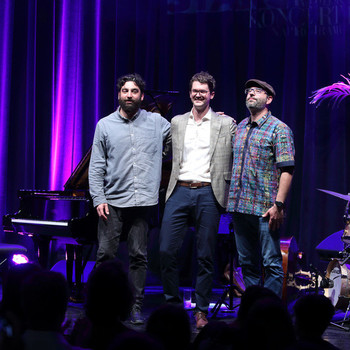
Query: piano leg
78, 269
74, 258
69, 264
42, 247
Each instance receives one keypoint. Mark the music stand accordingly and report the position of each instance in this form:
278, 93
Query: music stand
231, 287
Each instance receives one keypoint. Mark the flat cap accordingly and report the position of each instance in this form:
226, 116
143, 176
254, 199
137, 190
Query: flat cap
263, 84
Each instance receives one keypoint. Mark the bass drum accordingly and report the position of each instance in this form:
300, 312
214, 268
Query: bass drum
339, 294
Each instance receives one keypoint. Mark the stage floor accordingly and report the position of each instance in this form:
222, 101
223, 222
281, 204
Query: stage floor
154, 298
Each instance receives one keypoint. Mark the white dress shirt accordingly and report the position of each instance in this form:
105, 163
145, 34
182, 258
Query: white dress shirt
195, 166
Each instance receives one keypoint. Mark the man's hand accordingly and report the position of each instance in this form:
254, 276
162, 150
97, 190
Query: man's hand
223, 113
102, 210
276, 217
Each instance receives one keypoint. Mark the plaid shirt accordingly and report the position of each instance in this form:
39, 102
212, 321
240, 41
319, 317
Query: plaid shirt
260, 149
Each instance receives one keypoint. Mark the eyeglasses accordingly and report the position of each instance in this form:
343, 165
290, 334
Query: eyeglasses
200, 92
254, 90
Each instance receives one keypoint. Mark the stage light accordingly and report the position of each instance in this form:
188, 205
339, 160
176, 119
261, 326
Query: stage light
19, 259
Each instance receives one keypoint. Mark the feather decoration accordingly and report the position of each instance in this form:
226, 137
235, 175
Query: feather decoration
335, 92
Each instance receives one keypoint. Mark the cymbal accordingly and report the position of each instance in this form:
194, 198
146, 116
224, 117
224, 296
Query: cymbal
335, 194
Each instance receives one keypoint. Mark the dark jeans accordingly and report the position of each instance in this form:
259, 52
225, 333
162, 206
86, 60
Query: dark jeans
199, 204
133, 222
254, 242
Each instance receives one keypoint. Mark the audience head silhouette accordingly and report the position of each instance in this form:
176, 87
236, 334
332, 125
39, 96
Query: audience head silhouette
11, 296
268, 325
313, 313
170, 325
44, 300
109, 294
216, 335
250, 296
133, 340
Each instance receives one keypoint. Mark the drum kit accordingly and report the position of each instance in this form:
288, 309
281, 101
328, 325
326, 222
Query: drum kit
336, 282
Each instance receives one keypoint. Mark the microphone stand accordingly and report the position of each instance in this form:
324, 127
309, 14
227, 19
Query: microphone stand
231, 287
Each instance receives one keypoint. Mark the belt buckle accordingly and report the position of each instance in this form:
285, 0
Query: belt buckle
192, 185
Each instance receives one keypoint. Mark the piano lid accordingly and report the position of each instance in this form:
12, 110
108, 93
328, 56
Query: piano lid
79, 177
159, 101
154, 101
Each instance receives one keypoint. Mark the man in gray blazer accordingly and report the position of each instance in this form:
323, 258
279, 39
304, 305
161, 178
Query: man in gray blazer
198, 189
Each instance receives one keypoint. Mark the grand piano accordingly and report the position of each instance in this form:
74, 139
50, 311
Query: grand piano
68, 215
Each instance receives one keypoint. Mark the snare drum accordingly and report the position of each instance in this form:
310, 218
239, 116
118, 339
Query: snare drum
339, 294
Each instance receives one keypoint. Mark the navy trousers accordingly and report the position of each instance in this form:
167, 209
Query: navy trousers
201, 205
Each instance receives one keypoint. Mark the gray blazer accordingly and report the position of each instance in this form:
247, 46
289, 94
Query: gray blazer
222, 130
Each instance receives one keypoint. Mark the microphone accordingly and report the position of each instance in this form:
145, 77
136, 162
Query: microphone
324, 282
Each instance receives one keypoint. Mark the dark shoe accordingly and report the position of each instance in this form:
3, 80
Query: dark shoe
201, 319
175, 302
136, 318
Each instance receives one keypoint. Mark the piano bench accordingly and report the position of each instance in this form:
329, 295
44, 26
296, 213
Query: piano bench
7, 249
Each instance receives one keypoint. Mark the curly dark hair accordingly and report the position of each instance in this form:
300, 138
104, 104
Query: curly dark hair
136, 78
204, 78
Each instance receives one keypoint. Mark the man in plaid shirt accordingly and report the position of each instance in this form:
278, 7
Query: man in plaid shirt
262, 173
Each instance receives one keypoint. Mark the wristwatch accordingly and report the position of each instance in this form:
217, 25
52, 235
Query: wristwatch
279, 205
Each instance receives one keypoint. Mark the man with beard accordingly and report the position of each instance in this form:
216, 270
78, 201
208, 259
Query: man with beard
263, 165
198, 188
124, 178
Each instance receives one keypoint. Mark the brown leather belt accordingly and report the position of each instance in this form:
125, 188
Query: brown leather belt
193, 184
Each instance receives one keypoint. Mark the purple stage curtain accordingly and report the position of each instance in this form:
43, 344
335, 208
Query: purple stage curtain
60, 59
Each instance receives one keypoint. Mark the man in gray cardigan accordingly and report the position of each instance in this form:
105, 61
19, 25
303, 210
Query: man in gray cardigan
198, 189
124, 178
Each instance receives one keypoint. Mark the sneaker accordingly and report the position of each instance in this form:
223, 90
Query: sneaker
136, 317
201, 319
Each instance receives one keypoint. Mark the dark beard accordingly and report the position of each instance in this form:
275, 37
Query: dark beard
131, 108
256, 106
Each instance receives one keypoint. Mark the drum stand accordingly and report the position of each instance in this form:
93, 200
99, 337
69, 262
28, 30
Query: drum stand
346, 254
340, 324
345, 319
231, 287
